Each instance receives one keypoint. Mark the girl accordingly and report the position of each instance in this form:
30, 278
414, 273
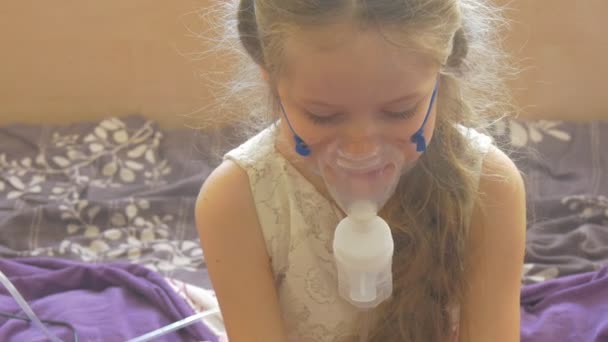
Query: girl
363, 92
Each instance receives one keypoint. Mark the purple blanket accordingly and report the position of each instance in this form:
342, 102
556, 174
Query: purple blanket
572, 308
104, 302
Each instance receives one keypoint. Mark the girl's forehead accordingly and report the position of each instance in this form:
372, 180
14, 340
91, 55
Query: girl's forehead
362, 62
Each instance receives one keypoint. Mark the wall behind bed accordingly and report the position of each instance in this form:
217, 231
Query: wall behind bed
68, 60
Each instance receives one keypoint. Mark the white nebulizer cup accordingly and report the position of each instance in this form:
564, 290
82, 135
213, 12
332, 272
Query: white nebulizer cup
363, 250
363, 244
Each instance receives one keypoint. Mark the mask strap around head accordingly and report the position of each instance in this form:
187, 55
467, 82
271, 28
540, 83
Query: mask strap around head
301, 148
418, 137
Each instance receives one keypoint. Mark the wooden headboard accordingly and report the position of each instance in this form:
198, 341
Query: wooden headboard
72, 60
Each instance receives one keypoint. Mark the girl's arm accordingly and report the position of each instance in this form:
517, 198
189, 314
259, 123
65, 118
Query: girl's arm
491, 310
236, 257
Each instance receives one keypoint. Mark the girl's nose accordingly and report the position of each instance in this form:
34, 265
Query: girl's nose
359, 149
360, 141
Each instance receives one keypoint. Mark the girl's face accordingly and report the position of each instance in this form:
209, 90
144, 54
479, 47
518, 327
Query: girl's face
354, 85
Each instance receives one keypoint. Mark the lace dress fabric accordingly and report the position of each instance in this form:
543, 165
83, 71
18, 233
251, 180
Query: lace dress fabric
298, 225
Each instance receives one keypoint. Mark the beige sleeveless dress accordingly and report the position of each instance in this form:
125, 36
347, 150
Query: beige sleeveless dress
298, 225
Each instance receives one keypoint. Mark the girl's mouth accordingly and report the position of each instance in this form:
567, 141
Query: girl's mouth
370, 175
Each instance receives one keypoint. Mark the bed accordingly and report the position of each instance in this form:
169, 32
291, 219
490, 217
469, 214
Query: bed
117, 190
565, 282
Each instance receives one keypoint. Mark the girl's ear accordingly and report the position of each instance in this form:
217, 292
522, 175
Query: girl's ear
271, 83
265, 74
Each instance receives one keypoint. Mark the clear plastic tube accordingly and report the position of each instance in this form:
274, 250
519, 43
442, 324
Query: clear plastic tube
174, 326
26, 308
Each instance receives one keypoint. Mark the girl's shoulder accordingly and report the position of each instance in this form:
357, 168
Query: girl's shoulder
256, 150
478, 140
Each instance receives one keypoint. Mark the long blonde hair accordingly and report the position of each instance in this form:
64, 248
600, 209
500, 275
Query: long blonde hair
430, 228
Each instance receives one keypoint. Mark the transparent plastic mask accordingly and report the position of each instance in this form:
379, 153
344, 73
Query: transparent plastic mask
370, 177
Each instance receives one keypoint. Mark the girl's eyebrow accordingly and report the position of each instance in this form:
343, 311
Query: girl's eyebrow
405, 98
321, 103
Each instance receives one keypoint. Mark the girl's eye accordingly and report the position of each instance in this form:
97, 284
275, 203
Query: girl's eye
401, 115
334, 118
322, 119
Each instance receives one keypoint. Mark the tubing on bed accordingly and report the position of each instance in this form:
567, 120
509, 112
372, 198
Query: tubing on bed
26, 308
174, 326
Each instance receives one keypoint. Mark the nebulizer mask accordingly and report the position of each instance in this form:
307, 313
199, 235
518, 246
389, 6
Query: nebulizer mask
361, 183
